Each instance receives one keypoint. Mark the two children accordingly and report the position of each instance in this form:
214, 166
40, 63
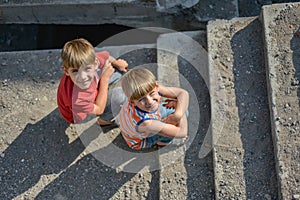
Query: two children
85, 89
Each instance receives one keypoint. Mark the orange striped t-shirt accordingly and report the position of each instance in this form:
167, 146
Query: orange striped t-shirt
130, 119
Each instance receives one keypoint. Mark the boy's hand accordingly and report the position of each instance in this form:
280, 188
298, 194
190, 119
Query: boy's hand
169, 103
107, 71
120, 64
172, 119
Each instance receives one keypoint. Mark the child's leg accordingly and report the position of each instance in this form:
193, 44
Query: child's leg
115, 100
165, 112
157, 139
115, 77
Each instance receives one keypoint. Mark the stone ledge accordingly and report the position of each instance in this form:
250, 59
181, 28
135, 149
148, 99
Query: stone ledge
239, 100
280, 22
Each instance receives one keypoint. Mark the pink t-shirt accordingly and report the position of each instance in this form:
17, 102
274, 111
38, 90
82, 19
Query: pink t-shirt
75, 104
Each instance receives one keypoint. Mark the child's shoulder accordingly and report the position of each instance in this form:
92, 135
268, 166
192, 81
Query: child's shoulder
148, 122
102, 53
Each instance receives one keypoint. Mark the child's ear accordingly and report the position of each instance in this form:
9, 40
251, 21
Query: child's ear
65, 70
156, 84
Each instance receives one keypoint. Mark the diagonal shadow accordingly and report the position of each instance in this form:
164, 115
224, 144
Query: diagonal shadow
253, 110
200, 181
295, 47
42, 148
94, 177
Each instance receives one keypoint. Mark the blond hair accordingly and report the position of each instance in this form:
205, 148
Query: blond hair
138, 82
77, 52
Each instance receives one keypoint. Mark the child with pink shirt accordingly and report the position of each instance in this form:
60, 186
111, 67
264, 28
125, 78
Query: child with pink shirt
86, 85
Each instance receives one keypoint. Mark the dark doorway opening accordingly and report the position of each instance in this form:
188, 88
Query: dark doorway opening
19, 37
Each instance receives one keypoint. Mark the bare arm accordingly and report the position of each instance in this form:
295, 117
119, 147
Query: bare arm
120, 64
182, 97
101, 99
176, 125
164, 129
107, 71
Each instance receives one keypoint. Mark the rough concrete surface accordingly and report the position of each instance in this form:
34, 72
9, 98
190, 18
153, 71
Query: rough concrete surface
181, 56
282, 45
243, 151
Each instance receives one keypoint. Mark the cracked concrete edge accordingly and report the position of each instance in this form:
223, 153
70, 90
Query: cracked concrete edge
268, 14
115, 51
271, 86
218, 30
217, 110
133, 13
81, 12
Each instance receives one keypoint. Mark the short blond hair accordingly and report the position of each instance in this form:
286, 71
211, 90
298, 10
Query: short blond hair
138, 82
77, 52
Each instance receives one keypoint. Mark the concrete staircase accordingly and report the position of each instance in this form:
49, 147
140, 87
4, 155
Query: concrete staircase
283, 87
254, 102
243, 78
256, 153
243, 153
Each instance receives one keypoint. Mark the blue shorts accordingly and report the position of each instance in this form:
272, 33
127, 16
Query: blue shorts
152, 140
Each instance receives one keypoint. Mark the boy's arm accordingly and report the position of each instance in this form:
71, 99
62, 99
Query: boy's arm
101, 99
164, 129
120, 64
182, 97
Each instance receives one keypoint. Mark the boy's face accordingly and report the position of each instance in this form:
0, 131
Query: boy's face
149, 102
83, 76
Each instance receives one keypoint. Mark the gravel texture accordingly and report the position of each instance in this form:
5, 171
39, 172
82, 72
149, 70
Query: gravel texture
282, 44
243, 157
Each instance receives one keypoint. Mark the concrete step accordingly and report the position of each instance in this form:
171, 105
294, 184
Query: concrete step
282, 48
243, 154
182, 61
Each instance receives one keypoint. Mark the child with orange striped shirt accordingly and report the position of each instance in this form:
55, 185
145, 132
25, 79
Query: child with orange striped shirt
145, 120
